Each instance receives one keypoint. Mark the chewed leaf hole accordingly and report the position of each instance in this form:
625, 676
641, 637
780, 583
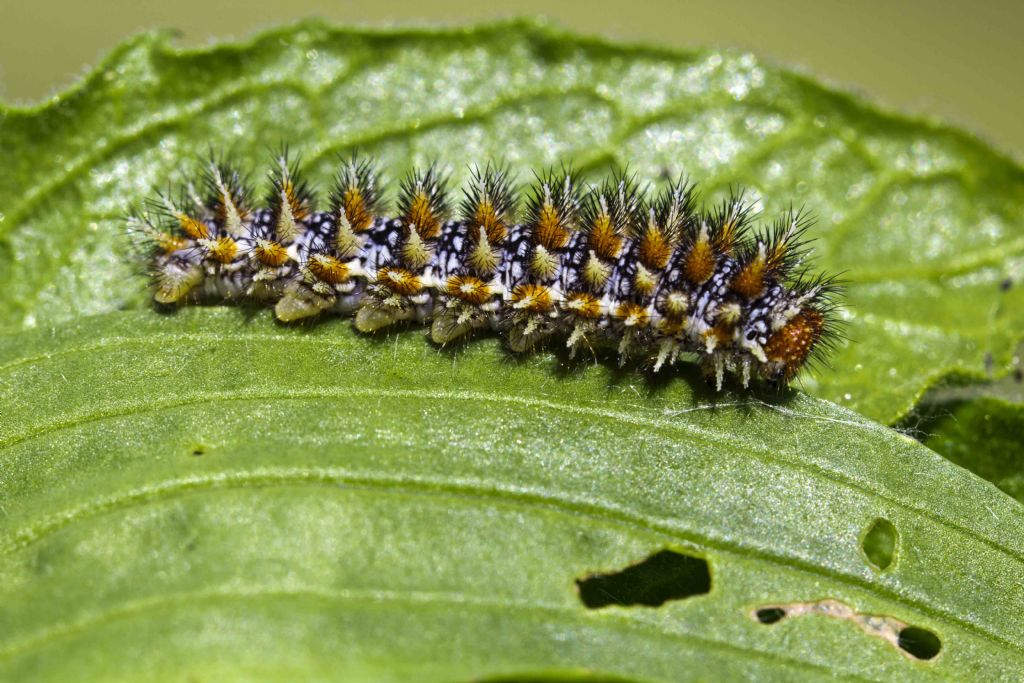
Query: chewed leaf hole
919, 643
769, 615
914, 641
879, 543
198, 450
665, 575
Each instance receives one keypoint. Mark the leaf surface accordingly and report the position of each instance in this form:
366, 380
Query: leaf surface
979, 427
207, 494
924, 221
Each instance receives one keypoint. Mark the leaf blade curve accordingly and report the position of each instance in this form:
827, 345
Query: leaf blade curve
924, 220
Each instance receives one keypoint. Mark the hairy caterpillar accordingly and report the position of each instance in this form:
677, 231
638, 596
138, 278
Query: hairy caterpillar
651, 274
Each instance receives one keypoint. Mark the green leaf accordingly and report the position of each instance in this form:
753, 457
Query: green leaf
208, 495
924, 221
979, 427
984, 436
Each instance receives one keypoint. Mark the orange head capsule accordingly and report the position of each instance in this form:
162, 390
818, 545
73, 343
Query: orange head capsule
788, 349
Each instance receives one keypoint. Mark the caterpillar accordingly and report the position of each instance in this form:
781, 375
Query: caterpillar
653, 275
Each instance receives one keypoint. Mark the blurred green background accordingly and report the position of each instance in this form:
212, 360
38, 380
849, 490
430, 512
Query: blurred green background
955, 61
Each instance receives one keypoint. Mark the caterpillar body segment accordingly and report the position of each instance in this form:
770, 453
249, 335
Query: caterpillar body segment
649, 274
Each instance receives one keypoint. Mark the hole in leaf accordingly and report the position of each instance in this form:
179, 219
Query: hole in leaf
919, 643
665, 575
198, 450
879, 543
769, 615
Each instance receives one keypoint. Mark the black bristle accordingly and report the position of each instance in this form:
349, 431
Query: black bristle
728, 222
672, 210
624, 200
288, 170
492, 183
236, 184
562, 187
433, 184
362, 174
